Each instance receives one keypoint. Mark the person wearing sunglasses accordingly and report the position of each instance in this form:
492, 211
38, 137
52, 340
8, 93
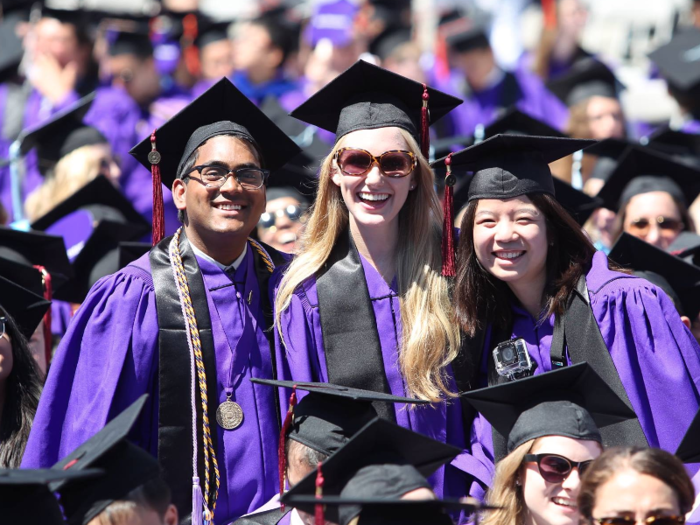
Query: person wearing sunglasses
282, 223
632, 486
550, 426
364, 303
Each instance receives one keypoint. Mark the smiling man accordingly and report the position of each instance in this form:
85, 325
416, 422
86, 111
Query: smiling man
187, 323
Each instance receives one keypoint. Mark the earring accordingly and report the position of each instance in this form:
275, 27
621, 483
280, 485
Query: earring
413, 187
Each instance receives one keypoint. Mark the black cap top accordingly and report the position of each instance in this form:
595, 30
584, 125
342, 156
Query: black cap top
689, 449
643, 171
129, 251
573, 402
587, 78
128, 466
211, 31
37, 248
26, 308
678, 60
136, 43
25, 497
474, 37
577, 203
380, 442
366, 96
329, 415
683, 277
508, 166
682, 146
389, 41
220, 110
515, 122
608, 152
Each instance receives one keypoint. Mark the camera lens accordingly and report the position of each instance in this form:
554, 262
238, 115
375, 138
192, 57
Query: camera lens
507, 354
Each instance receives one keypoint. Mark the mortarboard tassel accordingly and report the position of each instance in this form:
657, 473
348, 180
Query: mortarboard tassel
319, 518
448, 243
425, 124
197, 502
158, 206
190, 50
283, 440
48, 294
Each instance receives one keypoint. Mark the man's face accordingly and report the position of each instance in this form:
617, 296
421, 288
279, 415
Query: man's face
281, 224
229, 210
57, 39
217, 60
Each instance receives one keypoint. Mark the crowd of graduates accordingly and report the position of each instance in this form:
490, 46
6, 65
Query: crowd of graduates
302, 268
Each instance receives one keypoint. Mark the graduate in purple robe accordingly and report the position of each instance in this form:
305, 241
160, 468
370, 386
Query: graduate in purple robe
351, 308
488, 90
526, 272
131, 335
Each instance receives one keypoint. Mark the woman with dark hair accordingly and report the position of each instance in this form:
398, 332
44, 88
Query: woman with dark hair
632, 485
533, 295
21, 311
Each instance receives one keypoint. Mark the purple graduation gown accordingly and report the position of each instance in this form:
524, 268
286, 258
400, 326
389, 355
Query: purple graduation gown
109, 357
656, 356
302, 358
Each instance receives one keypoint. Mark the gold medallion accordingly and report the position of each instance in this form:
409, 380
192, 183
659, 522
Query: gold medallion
229, 415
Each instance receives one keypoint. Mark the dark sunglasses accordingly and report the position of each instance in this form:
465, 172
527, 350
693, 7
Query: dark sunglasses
629, 520
555, 468
268, 220
394, 163
642, 226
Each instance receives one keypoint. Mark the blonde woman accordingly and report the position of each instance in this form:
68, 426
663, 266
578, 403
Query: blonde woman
364, 303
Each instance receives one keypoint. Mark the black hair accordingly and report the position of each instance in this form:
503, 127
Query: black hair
281, 36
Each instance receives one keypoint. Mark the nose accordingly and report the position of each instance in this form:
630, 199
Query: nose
231, 185
282, 221
572, 481
374, 175
654, 235
114, 170
505, 231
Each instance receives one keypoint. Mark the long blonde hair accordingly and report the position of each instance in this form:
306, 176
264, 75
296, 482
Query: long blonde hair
70, 174
430, 339
506, 491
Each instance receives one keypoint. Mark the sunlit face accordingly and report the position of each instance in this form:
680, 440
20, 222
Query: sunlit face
572, 17
605, 119
217, 60
287, 227
642, 215
555, 503
639, 496
251, 46
57, 40
374, 199
510, 239
476, 65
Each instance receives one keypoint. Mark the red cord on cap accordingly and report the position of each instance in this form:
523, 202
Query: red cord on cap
425, 124
448, 242
319, 518
283, 439
48, 294
158, 206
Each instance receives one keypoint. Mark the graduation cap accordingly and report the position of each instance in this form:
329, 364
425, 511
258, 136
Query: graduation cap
608, 152
128, 467
516, 122
24, 306
379, 442
129, 251
587, 78
643, 171
577, 203
572, 401
474, 37
679, 60
389, 41
222, 109
135, 42
37, 248
76, 17
681, 277
211, 31
61, 134
26, 498
681, 146
689, 449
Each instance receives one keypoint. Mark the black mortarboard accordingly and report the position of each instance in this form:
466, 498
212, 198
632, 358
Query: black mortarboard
643, 171
379, 442
608, 152
22, 274
689, 449
136, 43
577, 203
573, 402
682, 146
37, 248
508, 166
366, 96
385, 44
474, 37
682, 277
61, 134
515, 122
129, 251
26, 498
687, 247
76, 17
329, 415
25, 307
587, 78
127, 465
211, 31
679, 60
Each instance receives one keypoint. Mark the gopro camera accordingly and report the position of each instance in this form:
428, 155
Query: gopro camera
512, 360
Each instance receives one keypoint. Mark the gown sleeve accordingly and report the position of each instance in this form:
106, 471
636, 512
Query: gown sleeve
656, 356
106, 360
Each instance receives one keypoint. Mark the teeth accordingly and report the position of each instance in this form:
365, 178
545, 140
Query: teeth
509, 255
565, 502
229, 207
287, 238
373, 196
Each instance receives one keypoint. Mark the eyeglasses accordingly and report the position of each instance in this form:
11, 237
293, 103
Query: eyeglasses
394, 163
629, 520
665, 224
268, 220
554, 468
216, 176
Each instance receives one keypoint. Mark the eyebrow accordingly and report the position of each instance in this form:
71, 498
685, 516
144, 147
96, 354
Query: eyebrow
221, 164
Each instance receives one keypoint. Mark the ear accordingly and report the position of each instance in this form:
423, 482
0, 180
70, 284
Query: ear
336, 176
171, 517
179, 192
686, 321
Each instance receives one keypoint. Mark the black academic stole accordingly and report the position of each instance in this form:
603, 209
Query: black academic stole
174, 377
350, 338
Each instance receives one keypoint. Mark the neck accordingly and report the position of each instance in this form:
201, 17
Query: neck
530, 294
223, 248
260, 75
564, 48
377, 244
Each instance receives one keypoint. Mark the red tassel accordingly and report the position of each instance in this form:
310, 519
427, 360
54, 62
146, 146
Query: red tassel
319, 518
158, 210
283, 439
190, 51
448, 242
48, 294
425, 124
